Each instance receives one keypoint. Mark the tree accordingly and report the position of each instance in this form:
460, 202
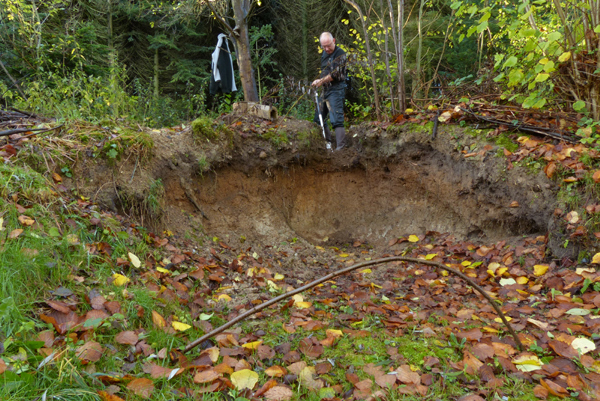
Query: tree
242, 11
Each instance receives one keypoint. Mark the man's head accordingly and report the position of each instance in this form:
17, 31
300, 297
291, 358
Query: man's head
327, 42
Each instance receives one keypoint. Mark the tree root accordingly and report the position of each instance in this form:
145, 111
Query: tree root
314, 283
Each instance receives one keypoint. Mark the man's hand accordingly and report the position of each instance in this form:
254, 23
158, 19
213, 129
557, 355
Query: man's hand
321, 81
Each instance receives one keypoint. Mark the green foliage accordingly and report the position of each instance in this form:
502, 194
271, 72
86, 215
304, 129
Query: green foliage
262, 52
535, 44
506, 142
139, 143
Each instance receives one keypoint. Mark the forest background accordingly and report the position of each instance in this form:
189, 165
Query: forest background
149, 61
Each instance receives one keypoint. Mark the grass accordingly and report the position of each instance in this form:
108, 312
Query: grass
206, 129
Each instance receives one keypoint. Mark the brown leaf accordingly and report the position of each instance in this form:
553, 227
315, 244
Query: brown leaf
563, 349
323, 368
275, 371
363, 389
127, 337
385, 381
141, 387
2, 366
407, 376
483, 351
158, 320
47, 337
470, 335
265, 352
471, 397
56, 177
540, 391
104, 396
596, 176
89, 352
265, 387
297, 367
554, 389
472, 364
311, 347
157, 372
550, 169
279, 393
26, 220
206, 376
59, 306
15, 233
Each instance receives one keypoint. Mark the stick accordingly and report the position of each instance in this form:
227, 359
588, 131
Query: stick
310, 285
525, 128
19, 130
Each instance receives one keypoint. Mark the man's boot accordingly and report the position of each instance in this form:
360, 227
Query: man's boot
340, 137
328, 134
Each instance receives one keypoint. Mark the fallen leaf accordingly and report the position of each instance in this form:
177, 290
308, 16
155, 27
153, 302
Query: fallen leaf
120, 280
279, 393
104, 396
158, 320
26, 220
275, 371
15, 233
127, 337
514, 204
527, 362
141, 387
554, 389
596, 258
2, 366
307, 378
413, 238
244, 378
206, 376
178, 326
135, 261
583, 345
252, 345
89, 352
540, 270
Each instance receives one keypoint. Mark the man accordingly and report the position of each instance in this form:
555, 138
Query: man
333, 80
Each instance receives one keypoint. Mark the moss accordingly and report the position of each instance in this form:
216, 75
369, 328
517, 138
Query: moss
507, 143
207, 129
276, 137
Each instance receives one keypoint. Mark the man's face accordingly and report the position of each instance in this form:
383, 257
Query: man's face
327, 44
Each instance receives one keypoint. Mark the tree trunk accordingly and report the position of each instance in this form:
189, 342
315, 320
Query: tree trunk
369, 56
400, 56
387, 59
241, 9
417, 83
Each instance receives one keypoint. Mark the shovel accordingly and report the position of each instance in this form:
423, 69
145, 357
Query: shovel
321, 120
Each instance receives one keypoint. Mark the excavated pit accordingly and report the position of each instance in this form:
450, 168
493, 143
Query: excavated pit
337, 201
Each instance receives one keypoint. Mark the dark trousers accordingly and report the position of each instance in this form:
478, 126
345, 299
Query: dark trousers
332, 106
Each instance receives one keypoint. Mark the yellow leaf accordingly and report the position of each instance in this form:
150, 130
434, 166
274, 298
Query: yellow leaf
244, 378
158, 320
178, 326
163, 270
334, 333
272, 285
26, 220
540, 270
343, 255
303, 305
366, 271
498, 320
522, 280
224, 297
120, 279
490, 330
501, 271
298, 298
72, 239
494, 266
135, 261
564, 57
2, 224
408, 111
466, 263
583, 345
278, 277
373, 285
320, 248
430, 256
596, 258
445, 273
413, 238
253, 345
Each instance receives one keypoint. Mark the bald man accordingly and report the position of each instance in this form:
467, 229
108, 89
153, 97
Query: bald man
333, 80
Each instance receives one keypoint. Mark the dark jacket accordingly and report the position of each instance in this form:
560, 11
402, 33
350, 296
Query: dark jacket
222, 78
334, 64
